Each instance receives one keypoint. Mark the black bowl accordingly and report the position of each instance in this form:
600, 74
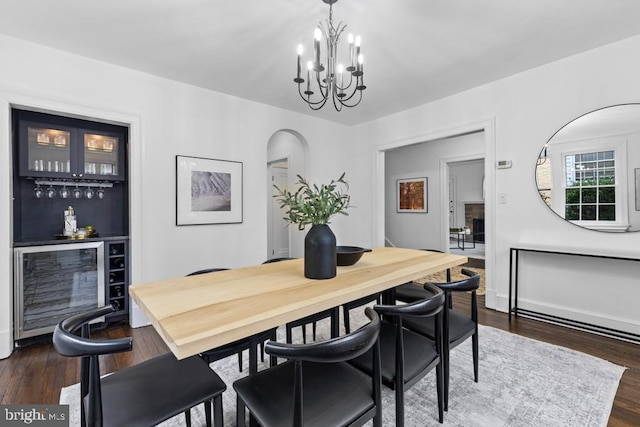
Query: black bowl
349, 255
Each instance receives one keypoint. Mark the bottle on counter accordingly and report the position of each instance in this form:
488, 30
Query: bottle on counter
70, 223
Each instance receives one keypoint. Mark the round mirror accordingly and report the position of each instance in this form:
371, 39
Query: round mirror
589, 171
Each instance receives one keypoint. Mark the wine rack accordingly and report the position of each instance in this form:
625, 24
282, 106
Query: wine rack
117, 279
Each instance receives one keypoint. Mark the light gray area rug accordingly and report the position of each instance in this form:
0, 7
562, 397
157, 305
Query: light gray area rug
522, 382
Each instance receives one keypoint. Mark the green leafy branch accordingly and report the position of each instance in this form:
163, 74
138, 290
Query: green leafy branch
311, 204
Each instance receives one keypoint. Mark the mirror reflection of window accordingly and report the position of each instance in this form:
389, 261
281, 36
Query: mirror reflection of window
592, 184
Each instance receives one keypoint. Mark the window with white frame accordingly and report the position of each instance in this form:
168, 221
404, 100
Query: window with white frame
590, 192
590, 186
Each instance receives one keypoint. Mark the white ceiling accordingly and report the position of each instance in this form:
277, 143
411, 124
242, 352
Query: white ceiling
416, 51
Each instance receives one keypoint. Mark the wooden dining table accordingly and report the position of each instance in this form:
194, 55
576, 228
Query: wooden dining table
196, 313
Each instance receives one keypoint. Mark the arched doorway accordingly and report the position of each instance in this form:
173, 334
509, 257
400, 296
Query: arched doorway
287, 151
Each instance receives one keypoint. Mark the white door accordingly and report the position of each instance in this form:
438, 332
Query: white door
279, 229
452, 202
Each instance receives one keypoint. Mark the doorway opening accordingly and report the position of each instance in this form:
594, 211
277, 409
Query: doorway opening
278, 241
466, 211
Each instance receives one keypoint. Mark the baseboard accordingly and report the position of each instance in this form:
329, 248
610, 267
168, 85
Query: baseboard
604, 320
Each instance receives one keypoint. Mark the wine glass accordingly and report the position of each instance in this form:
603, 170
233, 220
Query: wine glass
38, 192
100, 193
88, 193
77, 193
50, 192
64, 192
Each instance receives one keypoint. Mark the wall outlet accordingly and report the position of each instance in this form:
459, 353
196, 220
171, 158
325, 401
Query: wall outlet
502, 198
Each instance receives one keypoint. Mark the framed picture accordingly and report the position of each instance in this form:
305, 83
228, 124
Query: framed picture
412, 195
637, 171
208, 191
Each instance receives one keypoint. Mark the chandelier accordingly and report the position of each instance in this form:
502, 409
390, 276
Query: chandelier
328, 78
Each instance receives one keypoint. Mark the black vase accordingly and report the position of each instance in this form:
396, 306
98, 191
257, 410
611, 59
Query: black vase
320, 253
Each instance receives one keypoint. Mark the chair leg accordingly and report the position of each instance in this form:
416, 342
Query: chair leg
399, 404
187, 417
218, 420
446, 371
253, 358
240, 413
347, 323
441, 390
207, 412
474, 340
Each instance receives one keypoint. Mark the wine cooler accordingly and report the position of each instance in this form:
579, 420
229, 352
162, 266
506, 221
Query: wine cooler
53, 282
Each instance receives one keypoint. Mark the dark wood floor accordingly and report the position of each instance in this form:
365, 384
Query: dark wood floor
35, 374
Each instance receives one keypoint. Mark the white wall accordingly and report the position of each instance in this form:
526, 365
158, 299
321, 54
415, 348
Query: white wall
518, 114
170, 118
527, 109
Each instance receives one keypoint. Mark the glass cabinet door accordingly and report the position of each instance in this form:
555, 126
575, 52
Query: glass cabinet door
55, 282
48, 151
101, 154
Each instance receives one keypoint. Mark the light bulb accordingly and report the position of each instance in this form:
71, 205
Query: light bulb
317, 34
358, 40
300, 49
340, 68
350, 38
360, 59
309, 65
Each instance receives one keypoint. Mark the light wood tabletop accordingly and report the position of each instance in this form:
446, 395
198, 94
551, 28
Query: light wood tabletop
196, 313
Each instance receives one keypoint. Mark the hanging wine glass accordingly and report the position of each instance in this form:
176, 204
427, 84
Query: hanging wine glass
88, 193
38, 192
64, 192
77, 193
100, 193
50, 192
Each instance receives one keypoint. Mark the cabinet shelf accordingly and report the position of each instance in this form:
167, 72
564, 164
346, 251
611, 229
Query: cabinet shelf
62, 147
117, 271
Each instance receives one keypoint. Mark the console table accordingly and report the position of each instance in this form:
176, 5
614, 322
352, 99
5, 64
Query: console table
513, 295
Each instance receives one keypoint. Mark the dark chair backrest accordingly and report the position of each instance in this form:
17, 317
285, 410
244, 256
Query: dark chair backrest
67, 342
277, 260
470, 284
338, 349
432, 306
207, 270
421, 308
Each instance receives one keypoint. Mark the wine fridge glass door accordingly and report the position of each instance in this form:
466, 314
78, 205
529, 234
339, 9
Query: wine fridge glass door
54, 282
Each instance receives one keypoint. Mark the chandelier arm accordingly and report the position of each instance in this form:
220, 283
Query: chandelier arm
344, 100
308, 99
312, 105
351, 105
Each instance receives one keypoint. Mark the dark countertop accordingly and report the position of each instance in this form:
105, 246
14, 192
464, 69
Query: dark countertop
67, 241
